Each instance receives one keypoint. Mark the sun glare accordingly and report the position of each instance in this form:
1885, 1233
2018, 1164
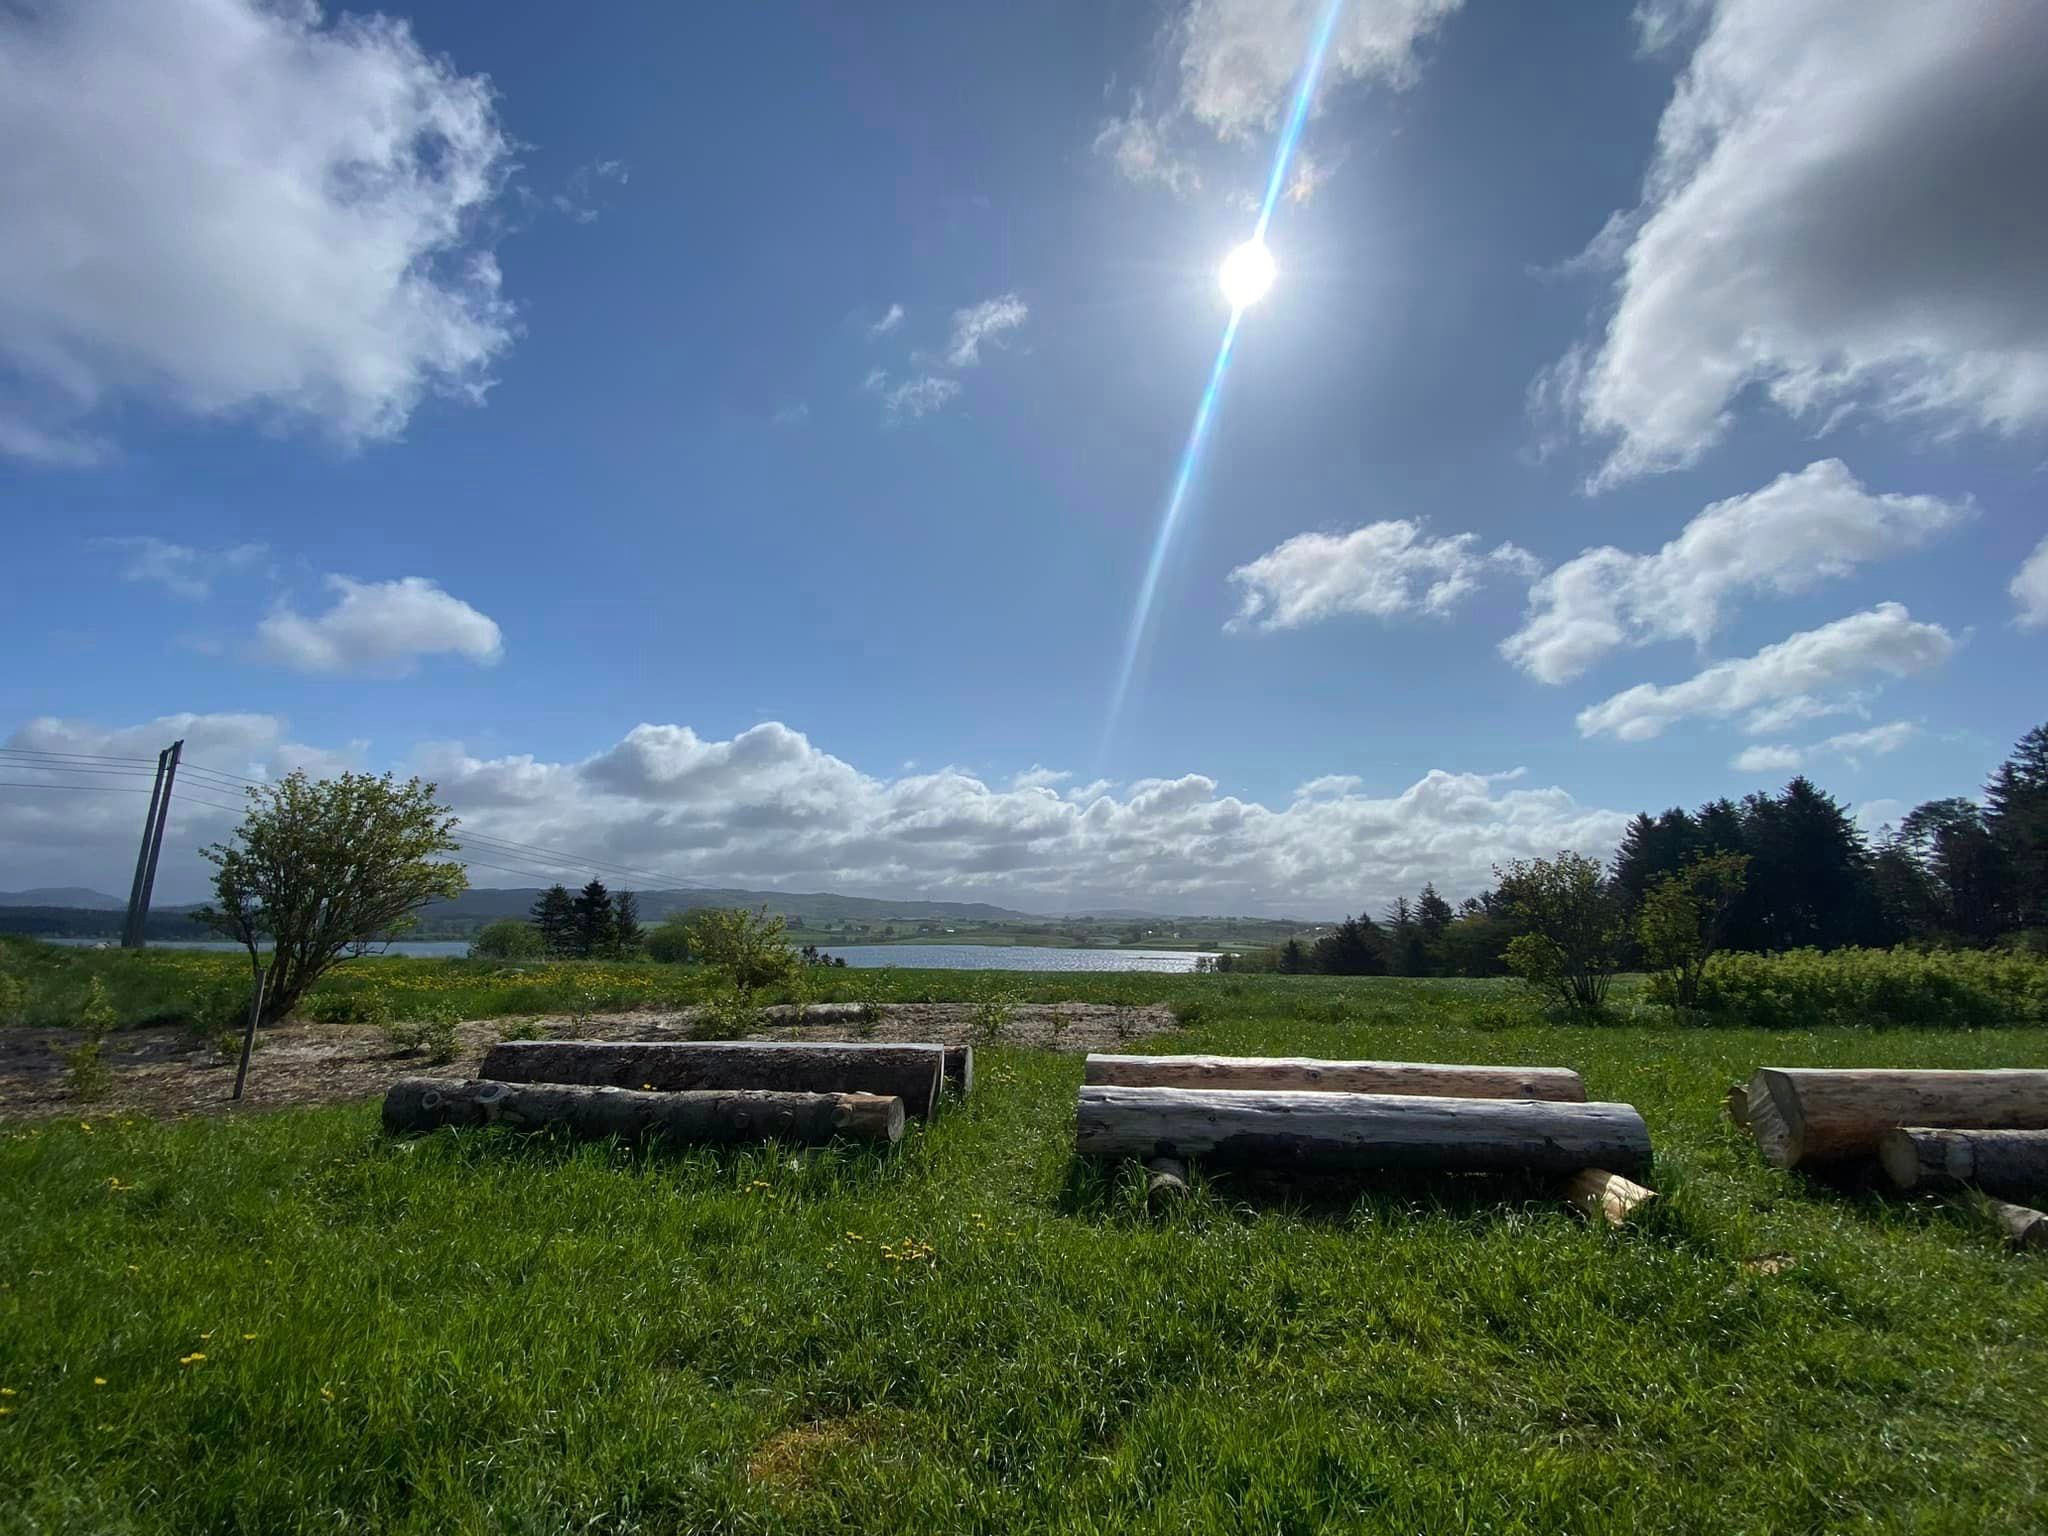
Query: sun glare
1247, 274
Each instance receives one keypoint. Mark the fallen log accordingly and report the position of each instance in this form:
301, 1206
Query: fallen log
1599, 1195
2022, 1225
1301, 1074
1938, 1158
1231, 1127
1808, 1116
591, 1114
1738, 1104
1167, 1179
911, 1073
960, 1069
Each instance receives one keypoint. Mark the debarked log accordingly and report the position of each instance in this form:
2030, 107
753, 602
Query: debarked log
1811, 1116
702, 1115
1302, 1074
1274, 1129
911, 1073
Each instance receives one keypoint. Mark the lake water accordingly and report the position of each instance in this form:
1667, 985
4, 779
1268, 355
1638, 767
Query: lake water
938, 957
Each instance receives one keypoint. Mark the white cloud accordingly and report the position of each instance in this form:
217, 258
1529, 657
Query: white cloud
1884, 640
768, 808
983, 322
1036, 777
1842, 211
1761, 759
1800, 707
1661, 23
2030, 588
1801, 529
1239, 59
1137, 146
180, 569
916, 397
228, 208
1306, 178
891, 318
380, 627
1852, 746
1383, 569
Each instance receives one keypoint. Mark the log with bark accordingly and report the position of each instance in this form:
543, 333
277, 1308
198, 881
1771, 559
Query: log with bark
1300, 1074
1737, 1103
1231, 1127
1166, 1179
1938, 1158
2021, 1225
1599, 1195
1813, 1117
911, 1073
719, 1115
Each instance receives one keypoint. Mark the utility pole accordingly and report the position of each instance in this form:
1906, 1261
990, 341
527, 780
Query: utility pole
131, 929
152, 845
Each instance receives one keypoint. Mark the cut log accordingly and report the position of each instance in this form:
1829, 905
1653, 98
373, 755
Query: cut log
2023, 1226
2002, 1162
1738, 1104
1300, 1074
1808, 1117
1167, 1180
960, 1069
1599, 1195
911, 1073
427, 1103
1234, 1127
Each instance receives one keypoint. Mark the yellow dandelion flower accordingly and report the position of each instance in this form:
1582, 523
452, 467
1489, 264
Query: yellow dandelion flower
99, 1381
7, 1392
192, 1359
4, 1412
207, 1335
85, 1127
328, 1393
134, 1269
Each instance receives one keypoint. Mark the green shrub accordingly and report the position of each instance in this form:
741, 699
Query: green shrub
1805, 988
524, 1029
989, 1020
1187, 1011
507, 939
85, 1073
432, 1030
13, 999
669, 940
364, 1007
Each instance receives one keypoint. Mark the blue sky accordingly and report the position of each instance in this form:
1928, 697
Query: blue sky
727, 441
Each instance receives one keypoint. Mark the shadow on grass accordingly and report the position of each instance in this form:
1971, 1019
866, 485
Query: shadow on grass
842, 1165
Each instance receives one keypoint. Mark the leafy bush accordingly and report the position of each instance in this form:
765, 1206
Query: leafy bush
990, 1019
87, 1075
729, 1013
1187, 1011
1574, 928
669, 940
749, 949
13, 999
432, 1031
524, 1029
1806, 988
367, 1006
508, 939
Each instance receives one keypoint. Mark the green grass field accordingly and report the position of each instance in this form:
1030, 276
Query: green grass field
290, 1322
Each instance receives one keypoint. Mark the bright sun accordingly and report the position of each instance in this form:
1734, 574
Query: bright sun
1247, 274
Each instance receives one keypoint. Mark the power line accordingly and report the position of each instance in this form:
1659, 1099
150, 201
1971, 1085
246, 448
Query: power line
87, 757
132, 773
117, 789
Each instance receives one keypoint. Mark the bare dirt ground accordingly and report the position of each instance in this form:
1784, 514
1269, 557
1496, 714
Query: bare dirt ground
167, 1071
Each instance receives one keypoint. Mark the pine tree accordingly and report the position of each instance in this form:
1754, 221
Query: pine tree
1813, 866
596, 931
554, 914
2016, 804
626, 919
1970, 868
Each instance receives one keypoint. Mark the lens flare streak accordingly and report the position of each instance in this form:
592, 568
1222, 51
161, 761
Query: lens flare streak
1297, 116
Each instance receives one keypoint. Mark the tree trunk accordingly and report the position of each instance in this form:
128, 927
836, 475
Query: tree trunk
1245, 1128
1809, 1117
1599, 1195
911, 1073
2003, 1162
1299, 1074
424, 1103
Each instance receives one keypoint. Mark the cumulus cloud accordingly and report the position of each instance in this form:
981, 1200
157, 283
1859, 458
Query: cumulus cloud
1805, 229
1852, 746
1239, 59
1884, 640
224, 207
987, 321
1137, 145
178, 568
1382, 570
2030, 588
1801, 529
769, 808
379, 627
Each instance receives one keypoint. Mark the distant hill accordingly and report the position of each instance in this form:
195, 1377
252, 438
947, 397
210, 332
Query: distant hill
63, 896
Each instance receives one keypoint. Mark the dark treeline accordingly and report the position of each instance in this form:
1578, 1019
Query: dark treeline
1958, 872
593, 924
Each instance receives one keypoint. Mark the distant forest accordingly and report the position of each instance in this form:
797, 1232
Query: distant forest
1952, 873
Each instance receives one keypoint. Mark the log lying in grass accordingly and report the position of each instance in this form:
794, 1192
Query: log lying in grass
1806, 1117
2023, 1226
1166, 1179
960, 1069
2002, 1162
1300, 1074
427, 1103
1259, 1129
1738, 1104
911, 1073
1599, 1195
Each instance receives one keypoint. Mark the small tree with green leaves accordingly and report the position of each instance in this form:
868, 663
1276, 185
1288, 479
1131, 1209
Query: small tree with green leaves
1572, 928
87, 1074
749, 949
326, 869
507, 939
668, 941
1683, 918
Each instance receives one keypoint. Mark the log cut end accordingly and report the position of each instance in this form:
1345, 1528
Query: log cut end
1599, 1195
870, 1116
1166, 1181
1774, 1121
1738, 1104
2023, 1226
959, 1071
